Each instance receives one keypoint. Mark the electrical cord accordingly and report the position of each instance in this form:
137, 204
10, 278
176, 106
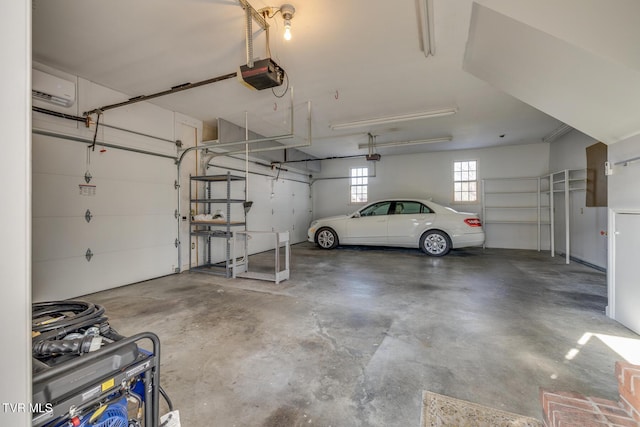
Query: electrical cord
54, 320
65, 314
166, 398
286, 76
169, 404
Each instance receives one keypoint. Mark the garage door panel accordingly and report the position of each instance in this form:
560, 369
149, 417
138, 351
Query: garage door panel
104, 271
114, 197
132, 230
61, 195
55, 155
133, 167
301, 212
59, 156
68, 237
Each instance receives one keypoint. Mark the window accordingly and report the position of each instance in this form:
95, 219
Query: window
465, 181
359, 180
409, 207
381, 208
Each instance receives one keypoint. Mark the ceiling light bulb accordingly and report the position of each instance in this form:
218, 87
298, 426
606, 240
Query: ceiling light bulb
287, 29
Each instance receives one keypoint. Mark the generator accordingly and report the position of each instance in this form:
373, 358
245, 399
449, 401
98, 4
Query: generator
86, 374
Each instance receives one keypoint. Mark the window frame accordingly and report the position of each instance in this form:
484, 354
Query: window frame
363, 184
467, 181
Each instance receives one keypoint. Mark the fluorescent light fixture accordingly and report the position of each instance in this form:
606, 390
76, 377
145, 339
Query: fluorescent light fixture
426, 27
395, 119
557, 133
406, 143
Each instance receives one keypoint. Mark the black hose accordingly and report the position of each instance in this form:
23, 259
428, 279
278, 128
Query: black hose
166, 398
75, 346
53, 320
70, 313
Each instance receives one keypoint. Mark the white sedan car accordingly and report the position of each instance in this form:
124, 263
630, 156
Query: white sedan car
409, 223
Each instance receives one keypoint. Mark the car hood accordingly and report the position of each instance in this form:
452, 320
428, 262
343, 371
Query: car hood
333, 218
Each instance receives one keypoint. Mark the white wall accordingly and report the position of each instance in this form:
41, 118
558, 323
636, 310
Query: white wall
624, 191
587, 225
15, 292
431, 175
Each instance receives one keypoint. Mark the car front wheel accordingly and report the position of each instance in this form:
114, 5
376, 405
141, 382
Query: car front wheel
435, 243
326, 238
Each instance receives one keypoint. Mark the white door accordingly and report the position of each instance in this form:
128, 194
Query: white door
626, 286
407, 222
370, 228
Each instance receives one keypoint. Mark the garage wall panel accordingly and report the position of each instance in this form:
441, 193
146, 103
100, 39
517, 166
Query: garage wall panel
75, 276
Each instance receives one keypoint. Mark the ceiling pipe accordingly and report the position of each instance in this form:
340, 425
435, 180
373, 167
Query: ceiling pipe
314, 159
86, 122
175, 89
373, 175
102, 144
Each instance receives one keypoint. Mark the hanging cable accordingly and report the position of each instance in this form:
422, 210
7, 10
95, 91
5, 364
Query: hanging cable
95, 134
286, 76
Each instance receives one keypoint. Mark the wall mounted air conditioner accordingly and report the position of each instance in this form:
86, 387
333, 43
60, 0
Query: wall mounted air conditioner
52, 89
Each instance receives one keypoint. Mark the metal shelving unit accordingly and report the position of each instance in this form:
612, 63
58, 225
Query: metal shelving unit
208, 230
534, 202
564, 182
515, 201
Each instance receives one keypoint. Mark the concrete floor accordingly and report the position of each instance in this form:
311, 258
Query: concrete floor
356, 335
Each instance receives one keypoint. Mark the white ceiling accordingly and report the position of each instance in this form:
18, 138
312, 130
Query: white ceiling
352, 60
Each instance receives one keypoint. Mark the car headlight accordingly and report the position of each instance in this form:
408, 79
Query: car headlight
312, 226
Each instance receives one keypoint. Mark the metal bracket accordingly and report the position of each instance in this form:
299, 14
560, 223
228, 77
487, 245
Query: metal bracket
175, 214
178, 143
87, 177
177, 243
88, 255
176, 184
88, 216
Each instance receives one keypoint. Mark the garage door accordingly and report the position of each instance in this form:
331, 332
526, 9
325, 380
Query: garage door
117, 229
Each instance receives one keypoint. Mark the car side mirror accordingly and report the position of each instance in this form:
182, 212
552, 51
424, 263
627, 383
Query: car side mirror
356, 215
